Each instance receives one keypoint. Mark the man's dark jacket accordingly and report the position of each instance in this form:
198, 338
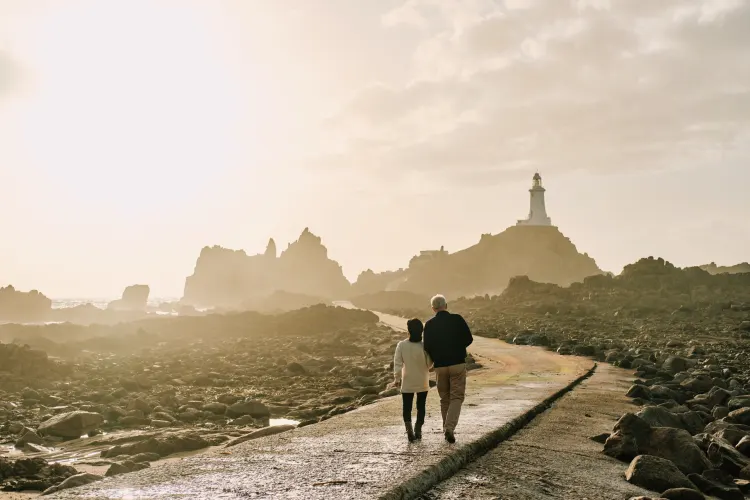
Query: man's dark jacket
446, 337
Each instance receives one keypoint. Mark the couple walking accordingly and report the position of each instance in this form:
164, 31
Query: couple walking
446, 337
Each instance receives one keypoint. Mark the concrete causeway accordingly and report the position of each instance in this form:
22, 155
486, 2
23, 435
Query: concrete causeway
362, 454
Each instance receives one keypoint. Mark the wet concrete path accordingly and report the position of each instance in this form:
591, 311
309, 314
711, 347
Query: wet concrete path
357, 455
553, 457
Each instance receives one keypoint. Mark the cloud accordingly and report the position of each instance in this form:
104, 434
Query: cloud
598, 85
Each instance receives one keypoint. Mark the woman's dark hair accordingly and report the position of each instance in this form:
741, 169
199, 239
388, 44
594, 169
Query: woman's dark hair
415, 328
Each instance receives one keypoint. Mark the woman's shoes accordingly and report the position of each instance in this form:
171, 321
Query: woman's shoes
418, 430
410, 432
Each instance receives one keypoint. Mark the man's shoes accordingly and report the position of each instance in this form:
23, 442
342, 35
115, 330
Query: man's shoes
450, 437
418, 430
410, 432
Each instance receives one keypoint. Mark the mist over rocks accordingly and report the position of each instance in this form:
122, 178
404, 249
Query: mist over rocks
542, 253
35, 308
370, 282
230, 278
147, 389
393, 302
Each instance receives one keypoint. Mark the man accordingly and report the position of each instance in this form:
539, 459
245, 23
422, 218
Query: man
446, 337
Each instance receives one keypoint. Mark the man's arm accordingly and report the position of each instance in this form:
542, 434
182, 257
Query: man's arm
465, 331
427, 338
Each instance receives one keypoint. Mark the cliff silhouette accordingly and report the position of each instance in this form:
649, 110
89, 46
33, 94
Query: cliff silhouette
230, 278
19, 307
542, 253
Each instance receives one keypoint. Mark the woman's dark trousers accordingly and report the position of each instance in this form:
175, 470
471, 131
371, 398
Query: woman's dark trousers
408, 400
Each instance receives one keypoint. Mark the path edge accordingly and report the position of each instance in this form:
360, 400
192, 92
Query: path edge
450, 465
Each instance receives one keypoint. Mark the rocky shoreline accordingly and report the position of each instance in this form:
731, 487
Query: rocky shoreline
185, 393
686, 335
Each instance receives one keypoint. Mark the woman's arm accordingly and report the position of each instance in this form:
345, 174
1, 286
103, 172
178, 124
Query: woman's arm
398, 362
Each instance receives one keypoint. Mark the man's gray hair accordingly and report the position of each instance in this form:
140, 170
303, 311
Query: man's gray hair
438, 302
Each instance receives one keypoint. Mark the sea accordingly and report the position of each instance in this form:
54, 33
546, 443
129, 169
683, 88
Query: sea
101, 303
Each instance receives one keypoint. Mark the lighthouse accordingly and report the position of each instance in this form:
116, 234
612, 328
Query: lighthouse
537, 210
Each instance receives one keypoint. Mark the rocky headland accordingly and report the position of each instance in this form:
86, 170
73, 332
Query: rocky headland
226, 278
231, 279
140, 391
542, 253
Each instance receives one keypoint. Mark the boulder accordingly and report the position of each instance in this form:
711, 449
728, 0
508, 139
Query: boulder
743, 446
657, 416
267, 431
28, 437
722, 453
683, 494
216, 408
73, 482
633, 436
741, 416
73, 424
716, 485
656, 474
125, 467
675, 364
699, 383
252, 408
162, 445
145, 457
718, 396
738, 402
629, 435
639, 391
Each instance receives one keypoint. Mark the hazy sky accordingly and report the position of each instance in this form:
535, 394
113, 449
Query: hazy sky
135, 132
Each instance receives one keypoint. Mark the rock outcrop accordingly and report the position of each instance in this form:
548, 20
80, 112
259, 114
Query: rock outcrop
22, 361
134, 298
712, 268
23, 307
542, 253
229, 278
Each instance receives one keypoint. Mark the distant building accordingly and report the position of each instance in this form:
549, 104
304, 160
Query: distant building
537, 210
427, 255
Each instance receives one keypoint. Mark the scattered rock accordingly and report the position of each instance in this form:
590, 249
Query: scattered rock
73, 482
73, 424
268, 431
656, 474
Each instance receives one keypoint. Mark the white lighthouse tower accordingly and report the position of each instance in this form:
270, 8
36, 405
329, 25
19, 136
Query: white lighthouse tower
537, 211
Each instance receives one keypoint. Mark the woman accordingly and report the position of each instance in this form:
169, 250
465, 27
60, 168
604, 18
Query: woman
411, 370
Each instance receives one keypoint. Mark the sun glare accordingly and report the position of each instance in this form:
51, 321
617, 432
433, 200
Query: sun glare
131, 86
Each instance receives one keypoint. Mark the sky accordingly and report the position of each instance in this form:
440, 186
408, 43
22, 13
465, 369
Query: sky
135, 132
